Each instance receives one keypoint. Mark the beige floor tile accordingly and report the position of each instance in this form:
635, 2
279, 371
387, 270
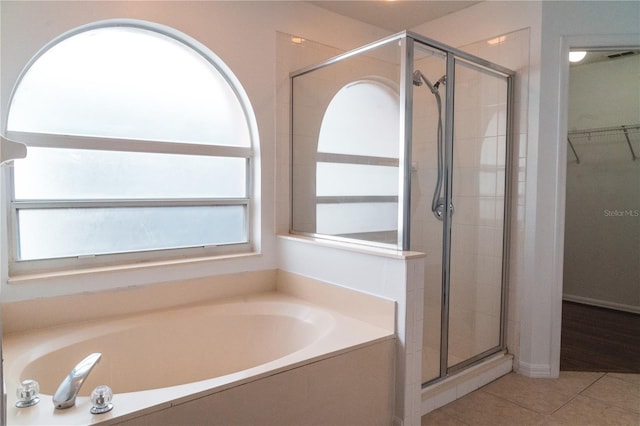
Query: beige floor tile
585, 411
440, 418
541, 395
575, 382
617, 392
483, 409
633, 378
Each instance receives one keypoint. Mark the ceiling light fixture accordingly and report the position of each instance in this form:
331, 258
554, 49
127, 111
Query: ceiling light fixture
577, 55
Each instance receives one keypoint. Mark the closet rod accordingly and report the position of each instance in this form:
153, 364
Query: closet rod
623, 129
596, 131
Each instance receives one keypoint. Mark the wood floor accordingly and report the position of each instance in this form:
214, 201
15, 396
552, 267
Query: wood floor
599, 339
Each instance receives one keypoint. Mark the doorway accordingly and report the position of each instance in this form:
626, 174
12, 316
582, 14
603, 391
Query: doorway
601, 295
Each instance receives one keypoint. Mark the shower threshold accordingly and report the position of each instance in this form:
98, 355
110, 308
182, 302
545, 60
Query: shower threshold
466, 381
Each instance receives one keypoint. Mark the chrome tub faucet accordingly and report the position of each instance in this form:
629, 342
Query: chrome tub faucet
65, 396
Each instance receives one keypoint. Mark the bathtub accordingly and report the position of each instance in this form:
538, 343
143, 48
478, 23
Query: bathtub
179, 364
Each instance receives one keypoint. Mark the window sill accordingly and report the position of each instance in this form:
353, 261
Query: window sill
34, 278
359, 248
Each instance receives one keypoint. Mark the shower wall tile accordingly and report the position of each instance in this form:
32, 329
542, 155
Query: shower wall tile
487, 299
486, 241
487, 212
466, 210
468, 154
466, 182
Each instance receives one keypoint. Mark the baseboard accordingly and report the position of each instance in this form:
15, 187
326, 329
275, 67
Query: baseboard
602, 303
537, 371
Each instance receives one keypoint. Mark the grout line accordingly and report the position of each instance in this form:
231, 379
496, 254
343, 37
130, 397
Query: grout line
593, 383
565, 404
579, 393
596, 397
512, 402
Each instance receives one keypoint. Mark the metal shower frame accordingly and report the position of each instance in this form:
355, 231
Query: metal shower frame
408, 40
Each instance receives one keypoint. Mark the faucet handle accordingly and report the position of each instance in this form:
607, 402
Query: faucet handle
27, 393
101, 399
65, 396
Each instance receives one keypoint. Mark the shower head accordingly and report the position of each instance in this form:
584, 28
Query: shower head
419, 78
417, 81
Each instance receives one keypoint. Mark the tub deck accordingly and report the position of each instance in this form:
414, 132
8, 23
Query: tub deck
218, 346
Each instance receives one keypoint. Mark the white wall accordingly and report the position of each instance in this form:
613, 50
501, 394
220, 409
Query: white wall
602, 226
604, 94
243, 35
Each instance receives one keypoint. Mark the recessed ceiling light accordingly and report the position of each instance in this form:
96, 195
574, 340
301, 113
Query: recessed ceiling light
577, 55
497, 40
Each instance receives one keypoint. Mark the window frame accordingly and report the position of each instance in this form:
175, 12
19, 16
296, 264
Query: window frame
53, 265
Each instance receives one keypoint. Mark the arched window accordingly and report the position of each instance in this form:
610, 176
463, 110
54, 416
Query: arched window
139, 147
357, 168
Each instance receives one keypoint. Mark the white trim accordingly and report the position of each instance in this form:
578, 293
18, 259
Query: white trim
536, 371
24, 270
128, 145
91, 272
602, 303
11, 150
465, 382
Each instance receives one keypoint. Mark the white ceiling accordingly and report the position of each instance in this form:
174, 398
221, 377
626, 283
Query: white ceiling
393, 15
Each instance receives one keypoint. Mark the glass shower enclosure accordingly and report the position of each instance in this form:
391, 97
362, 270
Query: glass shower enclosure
405, 143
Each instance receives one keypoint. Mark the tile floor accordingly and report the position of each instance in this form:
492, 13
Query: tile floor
574, 399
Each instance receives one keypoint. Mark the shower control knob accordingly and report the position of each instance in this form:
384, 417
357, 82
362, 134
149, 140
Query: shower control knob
27, 393
439, 209
101, 399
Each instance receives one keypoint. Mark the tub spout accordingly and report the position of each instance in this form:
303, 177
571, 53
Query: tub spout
65, 396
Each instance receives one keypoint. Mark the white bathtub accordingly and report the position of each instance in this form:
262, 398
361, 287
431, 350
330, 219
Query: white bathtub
165, 359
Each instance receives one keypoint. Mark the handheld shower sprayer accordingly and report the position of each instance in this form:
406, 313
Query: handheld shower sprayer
442, 80
438, 202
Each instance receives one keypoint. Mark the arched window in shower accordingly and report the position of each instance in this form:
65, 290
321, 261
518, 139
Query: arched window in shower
357, 163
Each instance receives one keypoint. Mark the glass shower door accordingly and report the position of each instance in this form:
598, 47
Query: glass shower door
478, 217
